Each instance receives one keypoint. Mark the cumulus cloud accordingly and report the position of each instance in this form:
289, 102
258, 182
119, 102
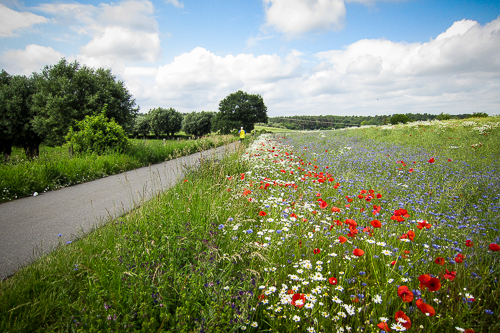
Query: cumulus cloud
121, 32
200, 76
13, 21
296, 17
32, 59
457, 72
119, 43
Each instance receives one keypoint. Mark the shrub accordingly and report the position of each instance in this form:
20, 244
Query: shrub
443, 116
97, 134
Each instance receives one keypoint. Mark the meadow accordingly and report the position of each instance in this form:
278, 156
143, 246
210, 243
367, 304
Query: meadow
372, 229
55, 168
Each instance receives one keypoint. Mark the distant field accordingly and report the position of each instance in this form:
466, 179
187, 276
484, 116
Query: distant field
272, 129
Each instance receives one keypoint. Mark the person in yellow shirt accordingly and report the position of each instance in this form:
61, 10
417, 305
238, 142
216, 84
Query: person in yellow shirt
242, 134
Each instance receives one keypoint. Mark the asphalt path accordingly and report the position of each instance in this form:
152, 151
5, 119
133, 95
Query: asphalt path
33, 226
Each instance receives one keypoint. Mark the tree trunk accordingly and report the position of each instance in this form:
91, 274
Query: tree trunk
32, 151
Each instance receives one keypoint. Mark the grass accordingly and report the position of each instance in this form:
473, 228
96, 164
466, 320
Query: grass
270, 239
55, 168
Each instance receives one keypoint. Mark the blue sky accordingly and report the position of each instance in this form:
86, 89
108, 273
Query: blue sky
304, 57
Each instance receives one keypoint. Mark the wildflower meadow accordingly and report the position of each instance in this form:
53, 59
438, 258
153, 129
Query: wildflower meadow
372, 229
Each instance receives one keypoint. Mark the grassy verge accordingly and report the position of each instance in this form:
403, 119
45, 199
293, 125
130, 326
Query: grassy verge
55, 169
356, 230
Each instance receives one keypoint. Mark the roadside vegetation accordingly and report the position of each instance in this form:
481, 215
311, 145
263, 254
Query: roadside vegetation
55, 168
369, 229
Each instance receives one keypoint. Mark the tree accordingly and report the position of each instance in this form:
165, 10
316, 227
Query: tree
6, 138
67, 92
198, 124
16, 121
443, 116
165, 121
141, 125
399, 118
239, 109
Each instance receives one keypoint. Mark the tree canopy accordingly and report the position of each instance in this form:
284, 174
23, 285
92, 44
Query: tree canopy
198, 123
239, 109
163, 120
67, 92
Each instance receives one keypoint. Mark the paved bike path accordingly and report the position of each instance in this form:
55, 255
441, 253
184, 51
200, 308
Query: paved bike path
29, 227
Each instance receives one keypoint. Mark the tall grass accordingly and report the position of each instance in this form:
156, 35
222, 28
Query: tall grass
284, 239
55, 168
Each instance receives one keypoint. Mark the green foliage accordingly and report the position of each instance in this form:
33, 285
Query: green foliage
164, 121
97, 134
239, 109
479, 115
141, 125
16, 114
67, 92
198, 123
443, 116
399, 119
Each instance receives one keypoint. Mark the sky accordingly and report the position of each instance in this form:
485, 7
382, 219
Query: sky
304, 57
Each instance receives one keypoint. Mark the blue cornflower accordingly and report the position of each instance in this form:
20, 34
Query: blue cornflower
221, 226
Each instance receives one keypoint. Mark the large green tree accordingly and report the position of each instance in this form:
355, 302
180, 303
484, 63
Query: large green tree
16, 127
239, 109
67, 92
163, 120
197, 123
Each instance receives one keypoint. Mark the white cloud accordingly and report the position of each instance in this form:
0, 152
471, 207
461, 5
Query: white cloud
121, 32
176, 3
32, 59
296, 17
458, 72
122, 44
201, 78
13, 21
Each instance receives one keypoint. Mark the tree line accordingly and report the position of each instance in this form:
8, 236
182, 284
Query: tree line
45, 107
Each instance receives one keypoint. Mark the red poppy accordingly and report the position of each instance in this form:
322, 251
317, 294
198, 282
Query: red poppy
332, 280
293, 215
406, 319
351, 222
494, 247
468, 243
262, 213
405, 294
383, 326
358, 252
323, 205
433, 284
379, 195
469, 330
450, 275
432, 160
335, 209
410, 171
246, 192
459, 258
316, 251
411, 234
261, 297
298, 297
342, 239
376, 223
423, 224
440, 261
425, 308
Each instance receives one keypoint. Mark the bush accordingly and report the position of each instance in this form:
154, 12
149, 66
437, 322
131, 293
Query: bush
479, 115
97, 134
398, 119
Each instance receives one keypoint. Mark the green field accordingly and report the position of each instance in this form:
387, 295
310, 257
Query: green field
326, 231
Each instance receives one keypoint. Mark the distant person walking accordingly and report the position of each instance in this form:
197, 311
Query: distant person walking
242, 134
